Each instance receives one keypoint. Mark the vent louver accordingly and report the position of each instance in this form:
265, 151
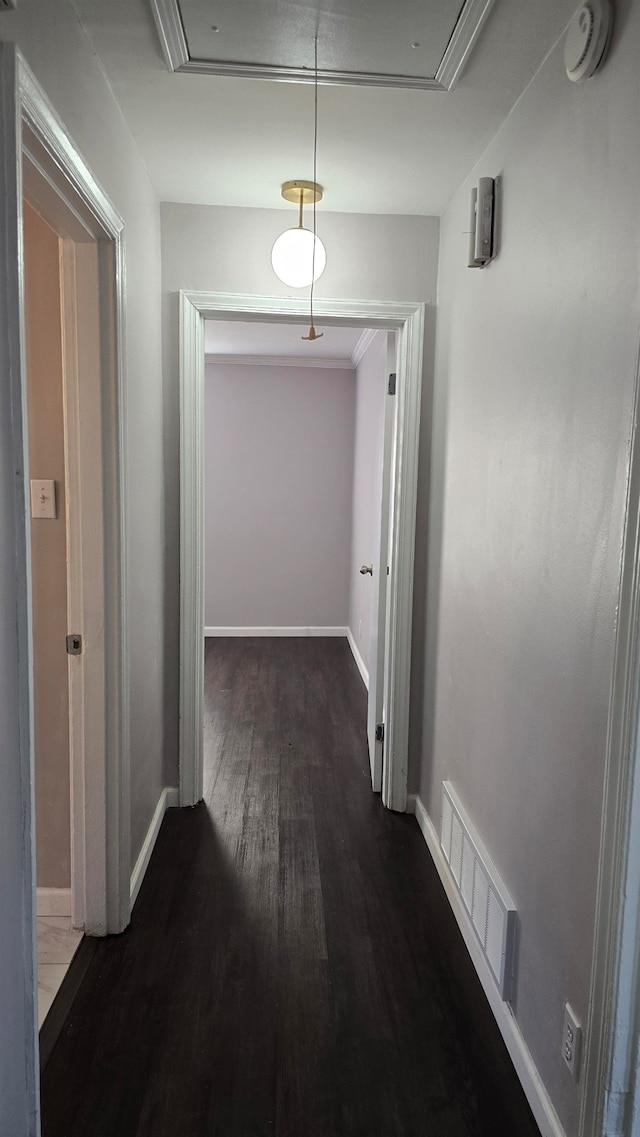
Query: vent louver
490, 908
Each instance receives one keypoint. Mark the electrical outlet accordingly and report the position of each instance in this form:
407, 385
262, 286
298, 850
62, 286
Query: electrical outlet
571, 1041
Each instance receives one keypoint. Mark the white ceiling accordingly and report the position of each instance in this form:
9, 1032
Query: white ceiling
234, 337
233, 141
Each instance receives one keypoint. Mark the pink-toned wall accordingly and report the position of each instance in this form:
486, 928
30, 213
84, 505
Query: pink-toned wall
278, 469
48, 553
367, 490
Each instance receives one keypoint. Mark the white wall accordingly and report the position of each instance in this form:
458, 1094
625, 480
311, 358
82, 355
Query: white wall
58, 51
371, 392
535, 379
50, 37
278, 464
229, 250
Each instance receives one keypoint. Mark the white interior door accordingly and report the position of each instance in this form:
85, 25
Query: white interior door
380, 581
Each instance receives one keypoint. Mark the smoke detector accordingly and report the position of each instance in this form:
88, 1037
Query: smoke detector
588, 38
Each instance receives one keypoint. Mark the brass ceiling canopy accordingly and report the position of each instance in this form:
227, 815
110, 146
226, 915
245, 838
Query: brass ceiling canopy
302, 193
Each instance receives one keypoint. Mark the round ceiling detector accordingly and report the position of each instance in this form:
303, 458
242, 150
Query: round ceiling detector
588, 39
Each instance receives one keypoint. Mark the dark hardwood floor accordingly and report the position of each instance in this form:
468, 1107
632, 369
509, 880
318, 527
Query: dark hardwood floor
292, 967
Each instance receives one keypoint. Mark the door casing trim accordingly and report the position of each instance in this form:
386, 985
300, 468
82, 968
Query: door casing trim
105, 856
408, 318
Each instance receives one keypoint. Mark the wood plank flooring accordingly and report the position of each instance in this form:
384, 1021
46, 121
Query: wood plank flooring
292, 967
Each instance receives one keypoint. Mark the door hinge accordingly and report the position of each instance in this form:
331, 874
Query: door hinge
74, 644
380, 732
392, 383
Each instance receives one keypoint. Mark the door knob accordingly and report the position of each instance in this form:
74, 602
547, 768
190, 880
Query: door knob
364, 569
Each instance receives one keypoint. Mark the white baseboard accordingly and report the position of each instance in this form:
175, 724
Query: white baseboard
358, 658
53, 901
537, 1096
279, 631
168, 797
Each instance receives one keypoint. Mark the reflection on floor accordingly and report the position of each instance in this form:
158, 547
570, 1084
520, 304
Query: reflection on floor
57, 945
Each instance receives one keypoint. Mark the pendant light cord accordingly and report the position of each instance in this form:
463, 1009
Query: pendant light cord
315, 163
315, 172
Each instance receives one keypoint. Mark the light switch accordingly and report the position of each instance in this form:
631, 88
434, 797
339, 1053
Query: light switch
43, 498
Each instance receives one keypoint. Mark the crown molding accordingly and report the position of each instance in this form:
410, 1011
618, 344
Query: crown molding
363, 344
280, 361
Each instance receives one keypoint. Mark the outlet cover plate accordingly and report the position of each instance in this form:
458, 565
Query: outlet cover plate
571, 1041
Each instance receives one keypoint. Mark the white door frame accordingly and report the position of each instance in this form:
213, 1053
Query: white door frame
611, 1098
378, 672
99, 686
408, 319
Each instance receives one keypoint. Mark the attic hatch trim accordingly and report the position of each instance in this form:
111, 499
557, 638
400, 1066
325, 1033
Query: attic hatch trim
173, 41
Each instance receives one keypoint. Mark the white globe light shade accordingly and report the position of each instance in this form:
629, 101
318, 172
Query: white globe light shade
292, 257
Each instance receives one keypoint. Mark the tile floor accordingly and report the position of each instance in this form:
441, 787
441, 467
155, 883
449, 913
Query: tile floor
57, 945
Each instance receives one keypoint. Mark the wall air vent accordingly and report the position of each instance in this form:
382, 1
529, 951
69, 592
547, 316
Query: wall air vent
487, 901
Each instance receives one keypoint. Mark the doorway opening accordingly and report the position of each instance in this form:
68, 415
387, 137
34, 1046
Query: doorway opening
59, 923
407, 320
298, 445
91, 410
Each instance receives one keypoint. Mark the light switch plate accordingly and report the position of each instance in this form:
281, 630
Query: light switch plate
43, 498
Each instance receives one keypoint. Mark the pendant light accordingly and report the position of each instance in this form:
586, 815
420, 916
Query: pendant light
298, 256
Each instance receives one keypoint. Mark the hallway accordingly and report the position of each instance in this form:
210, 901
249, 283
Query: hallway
293, 966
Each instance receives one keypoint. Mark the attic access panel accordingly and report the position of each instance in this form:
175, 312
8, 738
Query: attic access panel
360, 42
